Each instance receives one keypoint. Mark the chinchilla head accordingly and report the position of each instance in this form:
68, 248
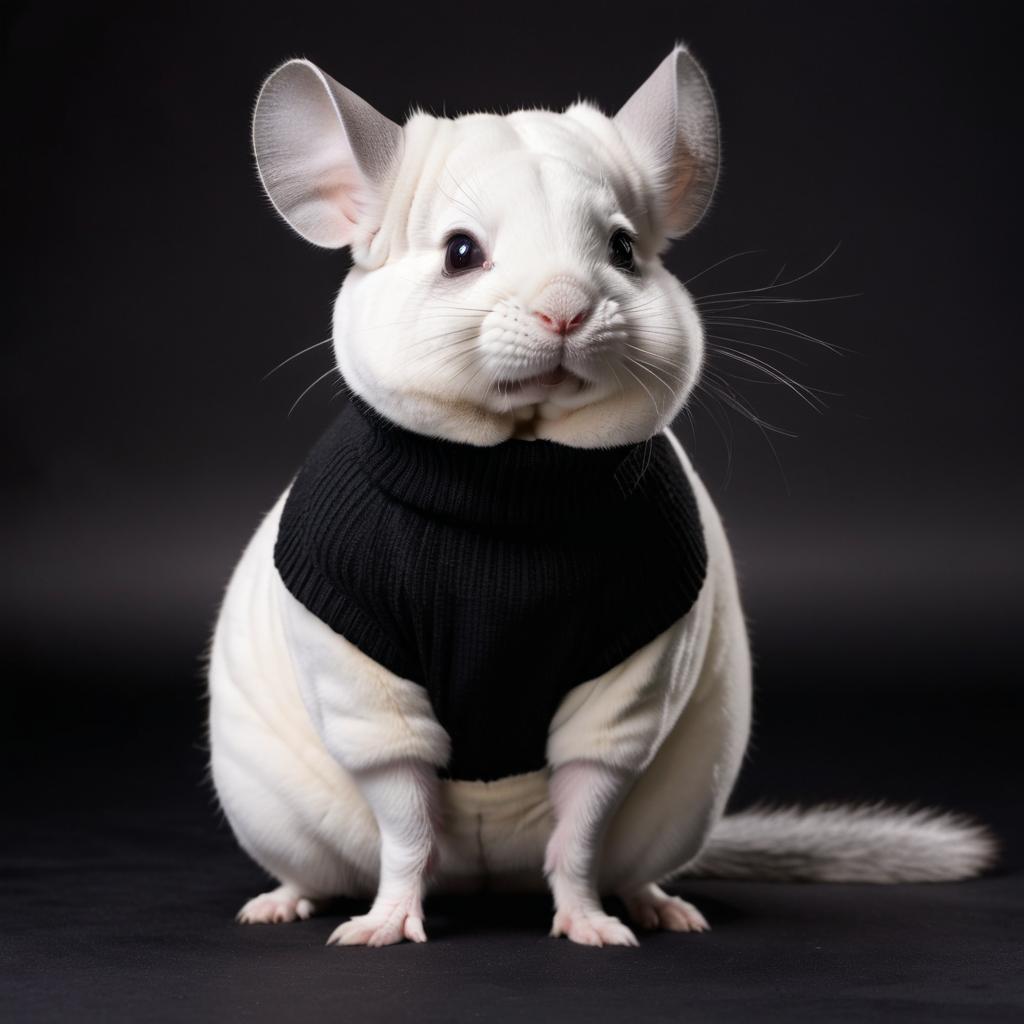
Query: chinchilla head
506, 275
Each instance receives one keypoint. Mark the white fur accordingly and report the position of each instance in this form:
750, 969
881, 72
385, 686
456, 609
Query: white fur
324, 762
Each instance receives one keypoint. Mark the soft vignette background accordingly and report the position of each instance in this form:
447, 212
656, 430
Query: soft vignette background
151, 289
148, 291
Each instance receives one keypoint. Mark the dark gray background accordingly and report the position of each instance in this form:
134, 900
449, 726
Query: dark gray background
149, 289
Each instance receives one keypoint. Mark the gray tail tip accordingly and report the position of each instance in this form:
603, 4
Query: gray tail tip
875, 843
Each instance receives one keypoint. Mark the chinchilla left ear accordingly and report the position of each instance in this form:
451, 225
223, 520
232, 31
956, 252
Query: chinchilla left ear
671, 125
323, 154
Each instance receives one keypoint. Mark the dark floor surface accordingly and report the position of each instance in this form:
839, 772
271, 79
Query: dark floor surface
120, 882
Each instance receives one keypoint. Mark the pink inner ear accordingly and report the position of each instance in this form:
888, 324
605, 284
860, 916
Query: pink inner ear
685, 173
345, 194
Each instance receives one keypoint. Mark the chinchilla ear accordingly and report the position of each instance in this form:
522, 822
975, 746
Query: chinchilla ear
671, 125
324, 154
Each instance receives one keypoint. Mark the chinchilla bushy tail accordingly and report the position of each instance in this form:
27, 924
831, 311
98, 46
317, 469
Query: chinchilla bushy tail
837, 843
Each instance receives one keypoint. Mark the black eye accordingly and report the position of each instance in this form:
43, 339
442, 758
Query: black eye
620, 251
462, 253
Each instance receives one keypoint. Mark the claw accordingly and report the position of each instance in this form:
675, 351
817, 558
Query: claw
651, 907
384, 925
280, 906
592, 928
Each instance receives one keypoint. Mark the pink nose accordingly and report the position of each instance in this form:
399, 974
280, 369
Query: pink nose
561, 324
562, 306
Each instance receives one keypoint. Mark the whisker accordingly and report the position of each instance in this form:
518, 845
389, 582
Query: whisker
804, 393
611, 366
727, 435
333, 369
659, 335
460, 186
473, 314
728, 397
456, 356
459, 337
775, 282
661, 380
728, 259
725, 304
301, 352
474, 214
668, 369
753, 344
657, 408
726, 393
635, 307
771, 327
465, 387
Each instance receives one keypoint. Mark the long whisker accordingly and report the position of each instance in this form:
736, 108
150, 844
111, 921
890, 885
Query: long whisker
333, 369
667, 368
728, 259
464, 357
753, 344
456, 337
301, 352
804, 393
771, 327
640, 364
657, 408
725, 304
465, 387
611, 366
460, 186
726, 393
458, 356
662, 333
727, 435
456, 315
728, 397
459, 337
634, 307
775, 283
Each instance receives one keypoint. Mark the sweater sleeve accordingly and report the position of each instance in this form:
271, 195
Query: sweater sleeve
622, 717
366, 715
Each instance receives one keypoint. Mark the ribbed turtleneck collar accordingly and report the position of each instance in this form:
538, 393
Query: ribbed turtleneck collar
523, 483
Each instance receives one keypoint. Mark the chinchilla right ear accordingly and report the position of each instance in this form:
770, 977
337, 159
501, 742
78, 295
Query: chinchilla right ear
671, 124
324, 155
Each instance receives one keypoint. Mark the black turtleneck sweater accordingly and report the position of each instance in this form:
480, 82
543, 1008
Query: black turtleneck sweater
499, 577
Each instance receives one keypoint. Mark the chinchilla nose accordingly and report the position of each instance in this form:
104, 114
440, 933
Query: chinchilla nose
562, 305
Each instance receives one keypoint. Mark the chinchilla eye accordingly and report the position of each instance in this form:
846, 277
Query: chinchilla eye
620, 251
462, 252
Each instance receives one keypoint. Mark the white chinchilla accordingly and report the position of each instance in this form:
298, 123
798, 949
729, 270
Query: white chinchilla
507, 294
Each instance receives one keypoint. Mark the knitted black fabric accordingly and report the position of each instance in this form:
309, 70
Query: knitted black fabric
498, 578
